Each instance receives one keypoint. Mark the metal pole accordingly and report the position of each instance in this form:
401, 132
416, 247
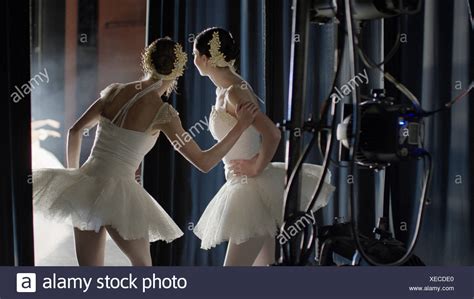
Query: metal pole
374, 47
297, 89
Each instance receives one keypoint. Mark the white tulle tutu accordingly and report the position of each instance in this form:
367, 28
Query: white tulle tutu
104, 190
245, 208
249, 207
42, 158
94, 201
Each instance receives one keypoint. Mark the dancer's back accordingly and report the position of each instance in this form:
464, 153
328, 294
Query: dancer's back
126, 130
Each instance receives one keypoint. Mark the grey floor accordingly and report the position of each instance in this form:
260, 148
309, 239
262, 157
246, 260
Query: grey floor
54, 242
54, 245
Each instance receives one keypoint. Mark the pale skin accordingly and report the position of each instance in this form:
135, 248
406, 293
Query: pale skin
89, 244
41, 134
257, 251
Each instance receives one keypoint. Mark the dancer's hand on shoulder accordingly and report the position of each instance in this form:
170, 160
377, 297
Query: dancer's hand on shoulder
246, 113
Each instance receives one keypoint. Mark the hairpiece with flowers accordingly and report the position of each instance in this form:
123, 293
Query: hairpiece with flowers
181, 58
217, 57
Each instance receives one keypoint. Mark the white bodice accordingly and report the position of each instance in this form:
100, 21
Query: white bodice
118, 151
221, 122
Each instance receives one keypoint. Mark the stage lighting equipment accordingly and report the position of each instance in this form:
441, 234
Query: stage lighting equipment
389, 132
375, 133
324, 10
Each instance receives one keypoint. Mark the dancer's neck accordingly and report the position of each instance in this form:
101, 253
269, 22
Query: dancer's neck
147, 82
224, 78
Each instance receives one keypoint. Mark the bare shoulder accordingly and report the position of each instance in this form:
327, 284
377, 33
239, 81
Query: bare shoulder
142, 113
149, 104
240, 94
131, 87
120, 92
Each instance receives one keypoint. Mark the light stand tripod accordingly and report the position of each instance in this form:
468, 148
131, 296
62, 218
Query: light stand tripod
342, 237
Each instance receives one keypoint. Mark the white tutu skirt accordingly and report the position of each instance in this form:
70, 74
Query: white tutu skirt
95, 201
245, 208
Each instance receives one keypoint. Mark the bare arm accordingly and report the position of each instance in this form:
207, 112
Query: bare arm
44, 122
42, 134
208, 159
74, 137
271, 136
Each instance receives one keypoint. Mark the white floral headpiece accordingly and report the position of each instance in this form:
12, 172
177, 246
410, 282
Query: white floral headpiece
217, 57
181, 58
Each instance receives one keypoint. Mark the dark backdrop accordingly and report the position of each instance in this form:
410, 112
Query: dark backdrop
16, 216
436, 63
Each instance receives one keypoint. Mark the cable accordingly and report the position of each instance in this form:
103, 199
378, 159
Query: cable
463, 94
448, 105
469, 10
411, 247
305, 253
327, 156
340, 47
306, 151
308, 242
341, 44
396, 44
299, 163
407, 92
325, 166
354, 95
370, 64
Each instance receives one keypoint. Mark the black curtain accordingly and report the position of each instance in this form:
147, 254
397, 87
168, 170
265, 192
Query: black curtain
433, 59
16, 217
436, 63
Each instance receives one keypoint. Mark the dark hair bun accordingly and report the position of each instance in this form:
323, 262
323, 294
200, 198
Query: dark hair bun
159, 56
